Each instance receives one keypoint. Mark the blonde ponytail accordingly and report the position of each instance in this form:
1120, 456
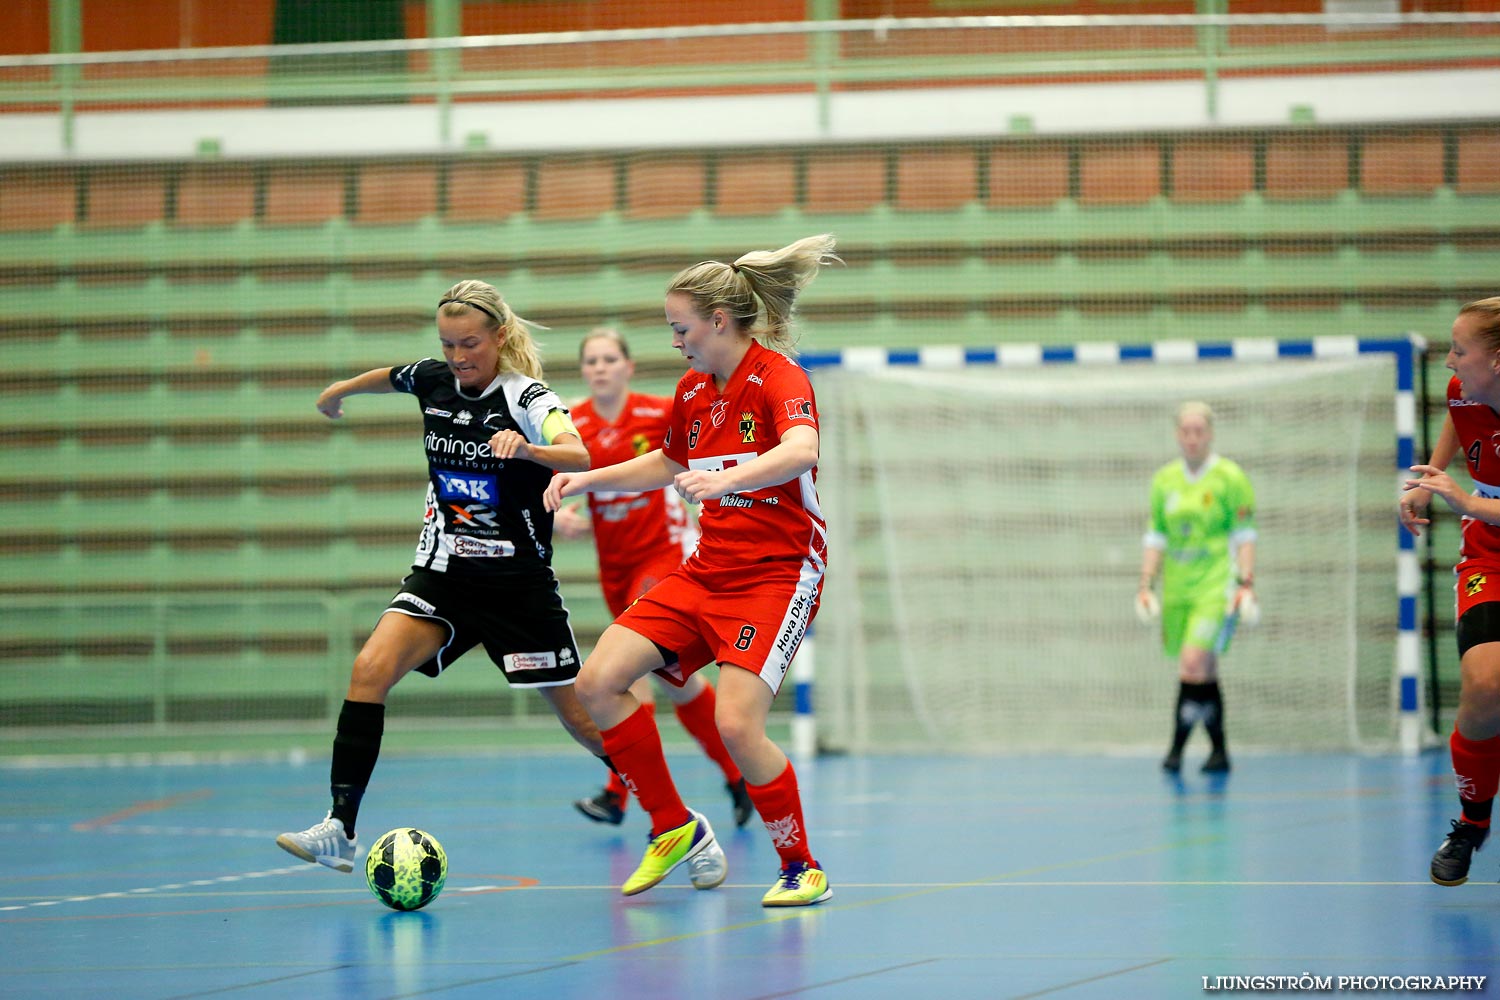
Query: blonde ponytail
762, 283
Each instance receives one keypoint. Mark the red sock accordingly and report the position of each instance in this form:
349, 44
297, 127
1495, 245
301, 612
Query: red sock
635, 747
780, 805
1476, 769
697, 717
613, 785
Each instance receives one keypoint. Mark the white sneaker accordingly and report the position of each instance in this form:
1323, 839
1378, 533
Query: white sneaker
324, 844
708, 868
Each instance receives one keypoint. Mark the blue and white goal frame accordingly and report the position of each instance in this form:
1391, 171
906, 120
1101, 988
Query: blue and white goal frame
1405, 350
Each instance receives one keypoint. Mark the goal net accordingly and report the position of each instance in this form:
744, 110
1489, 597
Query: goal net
987, 526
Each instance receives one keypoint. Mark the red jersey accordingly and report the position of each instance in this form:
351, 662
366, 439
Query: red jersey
712, 430
632, 528
1478, 429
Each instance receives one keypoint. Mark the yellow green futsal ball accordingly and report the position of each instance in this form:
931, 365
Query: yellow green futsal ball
406, 869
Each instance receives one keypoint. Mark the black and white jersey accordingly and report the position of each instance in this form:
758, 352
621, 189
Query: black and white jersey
484, 515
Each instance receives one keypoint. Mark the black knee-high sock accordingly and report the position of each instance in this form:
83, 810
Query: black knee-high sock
1213, 713
356, 746
1184, 716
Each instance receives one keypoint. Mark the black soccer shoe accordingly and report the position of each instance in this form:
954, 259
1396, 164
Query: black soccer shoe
743, 807
1217, 763
1450, 865
1172, 762
605, 807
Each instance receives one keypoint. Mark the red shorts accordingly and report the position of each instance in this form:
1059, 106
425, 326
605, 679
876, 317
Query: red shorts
751, 616
622, 589
1478, 583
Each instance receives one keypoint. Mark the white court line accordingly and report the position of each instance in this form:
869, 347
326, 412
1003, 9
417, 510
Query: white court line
171, 887
149, 831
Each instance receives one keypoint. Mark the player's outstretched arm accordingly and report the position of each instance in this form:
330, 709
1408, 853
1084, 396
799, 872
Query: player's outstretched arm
796, 453
331, 399
1435, 480
566, 453
650, 471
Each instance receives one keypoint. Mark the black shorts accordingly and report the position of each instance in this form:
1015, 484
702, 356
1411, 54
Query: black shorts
1480, 624
521, 623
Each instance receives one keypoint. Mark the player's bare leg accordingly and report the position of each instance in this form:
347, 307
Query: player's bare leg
678, 834
399, 644
696, 707
744, 705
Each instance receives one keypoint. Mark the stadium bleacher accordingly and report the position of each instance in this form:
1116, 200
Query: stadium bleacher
160, 427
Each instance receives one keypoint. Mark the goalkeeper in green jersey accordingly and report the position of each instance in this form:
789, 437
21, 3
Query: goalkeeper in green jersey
1201, 540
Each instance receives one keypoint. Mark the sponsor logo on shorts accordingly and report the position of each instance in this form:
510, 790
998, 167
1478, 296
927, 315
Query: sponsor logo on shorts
516, 663
463, 486
565, 657
1475, 584
479, 548
796, 624
416, 602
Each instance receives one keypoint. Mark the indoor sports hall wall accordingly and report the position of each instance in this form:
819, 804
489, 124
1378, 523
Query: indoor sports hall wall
186, 544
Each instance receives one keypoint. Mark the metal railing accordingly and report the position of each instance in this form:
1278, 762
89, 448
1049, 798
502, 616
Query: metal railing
816, 57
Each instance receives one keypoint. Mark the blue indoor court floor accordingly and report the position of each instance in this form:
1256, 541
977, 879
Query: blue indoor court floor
954, 877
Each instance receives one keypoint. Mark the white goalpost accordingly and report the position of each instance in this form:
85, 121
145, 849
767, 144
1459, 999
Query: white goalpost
986, 508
